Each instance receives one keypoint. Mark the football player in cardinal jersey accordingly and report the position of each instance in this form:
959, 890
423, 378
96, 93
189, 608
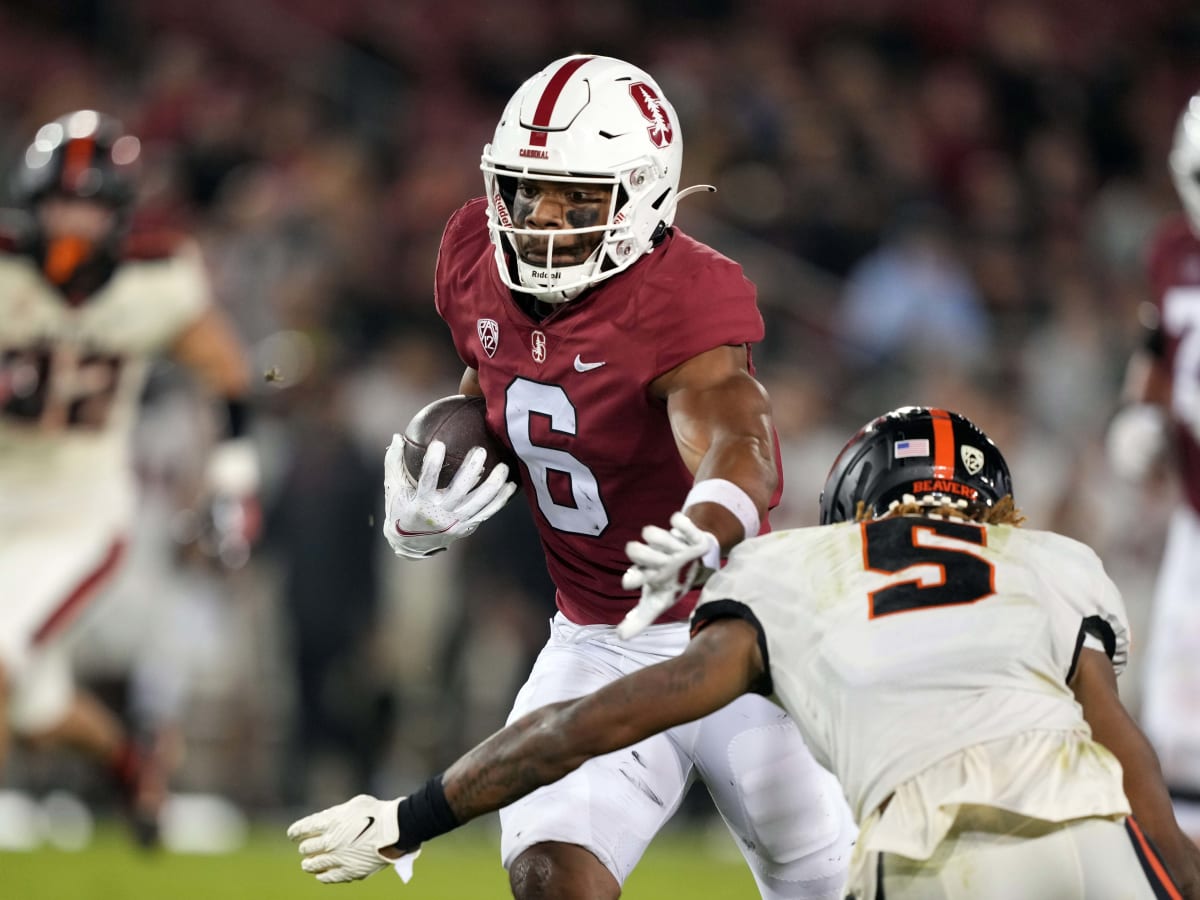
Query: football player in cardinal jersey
1161, 420
85, 303
613, 353
957, 672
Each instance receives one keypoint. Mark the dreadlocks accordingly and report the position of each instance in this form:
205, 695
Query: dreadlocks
1003, 512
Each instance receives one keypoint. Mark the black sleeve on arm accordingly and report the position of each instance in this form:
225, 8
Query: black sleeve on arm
1098, 628
424, 814
708, 613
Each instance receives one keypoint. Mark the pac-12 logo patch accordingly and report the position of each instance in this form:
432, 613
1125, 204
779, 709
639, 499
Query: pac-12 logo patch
489, 335
972, 458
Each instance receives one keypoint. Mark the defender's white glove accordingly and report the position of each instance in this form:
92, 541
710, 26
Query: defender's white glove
1136, 439
665, 567
342, 843
420, 519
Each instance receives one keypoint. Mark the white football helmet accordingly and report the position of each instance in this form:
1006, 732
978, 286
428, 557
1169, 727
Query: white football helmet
1185, 161
585, 120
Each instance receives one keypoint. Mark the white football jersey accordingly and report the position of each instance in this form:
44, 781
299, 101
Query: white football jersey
895, 644
71, 378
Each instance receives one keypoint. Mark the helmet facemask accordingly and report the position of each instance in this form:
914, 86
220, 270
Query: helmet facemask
618, 245
594, 122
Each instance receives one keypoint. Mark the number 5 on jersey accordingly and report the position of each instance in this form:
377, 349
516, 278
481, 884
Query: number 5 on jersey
934, 562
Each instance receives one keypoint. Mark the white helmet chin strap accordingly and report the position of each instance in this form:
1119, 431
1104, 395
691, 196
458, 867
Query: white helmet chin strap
534, 277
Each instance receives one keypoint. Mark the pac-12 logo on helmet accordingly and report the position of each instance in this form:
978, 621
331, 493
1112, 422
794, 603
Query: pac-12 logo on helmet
924, 455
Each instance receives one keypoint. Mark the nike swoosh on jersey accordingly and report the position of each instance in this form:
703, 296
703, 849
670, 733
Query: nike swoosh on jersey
581, 366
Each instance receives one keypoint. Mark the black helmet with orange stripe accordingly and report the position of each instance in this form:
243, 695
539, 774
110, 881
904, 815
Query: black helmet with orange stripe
915, 454
85, 154
82, 159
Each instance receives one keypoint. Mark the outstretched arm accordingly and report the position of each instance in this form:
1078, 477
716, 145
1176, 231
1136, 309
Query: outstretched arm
719, 665
359, 837
1095, 687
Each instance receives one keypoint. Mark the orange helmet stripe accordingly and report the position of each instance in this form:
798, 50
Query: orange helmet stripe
943, 444
78, 160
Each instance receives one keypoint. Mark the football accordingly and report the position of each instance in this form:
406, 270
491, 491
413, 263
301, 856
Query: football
459, 422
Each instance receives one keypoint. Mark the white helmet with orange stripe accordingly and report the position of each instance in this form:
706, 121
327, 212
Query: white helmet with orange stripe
604, 128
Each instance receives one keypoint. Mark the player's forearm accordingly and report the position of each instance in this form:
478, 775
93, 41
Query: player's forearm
1095, 688
529, 753
735, 443
550, 742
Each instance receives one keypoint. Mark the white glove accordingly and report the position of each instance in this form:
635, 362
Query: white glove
1136, 439
420, 518
342, 843
665, 567
234, 522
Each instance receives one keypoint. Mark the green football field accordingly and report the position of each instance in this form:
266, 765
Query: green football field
460, 866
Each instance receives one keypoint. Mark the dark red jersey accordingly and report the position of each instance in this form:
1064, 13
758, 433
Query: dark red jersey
569, 394
1174, 267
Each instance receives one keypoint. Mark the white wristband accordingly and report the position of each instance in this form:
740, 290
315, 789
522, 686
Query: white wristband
729, 495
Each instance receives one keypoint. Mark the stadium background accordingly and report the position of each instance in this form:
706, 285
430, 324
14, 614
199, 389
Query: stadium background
942, 203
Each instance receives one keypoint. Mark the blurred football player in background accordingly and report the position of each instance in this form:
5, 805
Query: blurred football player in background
86, 302
958, 673
613, 353
1159, 421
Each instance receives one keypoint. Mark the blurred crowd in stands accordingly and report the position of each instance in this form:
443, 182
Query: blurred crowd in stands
941, 203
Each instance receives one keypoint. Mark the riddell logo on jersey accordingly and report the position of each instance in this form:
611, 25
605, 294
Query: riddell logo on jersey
941, 486
532, 152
